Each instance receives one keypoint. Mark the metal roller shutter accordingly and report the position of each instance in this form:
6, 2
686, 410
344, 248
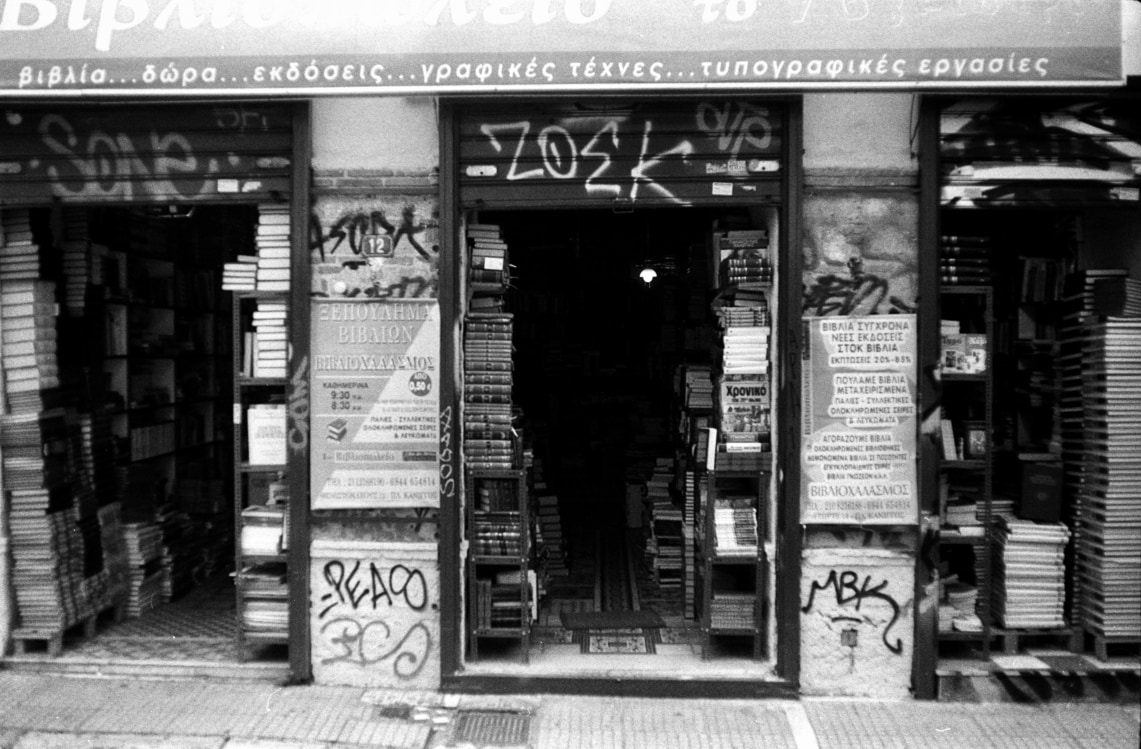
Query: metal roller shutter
131, 153
615, 155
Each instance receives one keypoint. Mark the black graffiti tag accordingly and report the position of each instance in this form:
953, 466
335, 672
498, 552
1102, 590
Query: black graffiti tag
844, 586
357, 590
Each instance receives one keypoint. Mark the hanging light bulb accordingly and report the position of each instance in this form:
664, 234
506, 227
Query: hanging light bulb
648, 275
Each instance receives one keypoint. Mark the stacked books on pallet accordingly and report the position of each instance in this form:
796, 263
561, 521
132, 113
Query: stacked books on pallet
1109, 521
265, 347
489, 441
965, 260
19, 254
1029, 574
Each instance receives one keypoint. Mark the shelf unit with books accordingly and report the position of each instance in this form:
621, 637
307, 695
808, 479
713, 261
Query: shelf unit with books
501, 595
967, 469
259, 328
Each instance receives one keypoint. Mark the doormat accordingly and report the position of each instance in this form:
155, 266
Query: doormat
618, 642
611, 620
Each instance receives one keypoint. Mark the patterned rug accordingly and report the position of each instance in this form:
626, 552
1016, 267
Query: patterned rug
633, 641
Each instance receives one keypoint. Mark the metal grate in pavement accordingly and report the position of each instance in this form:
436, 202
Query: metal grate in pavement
492, 728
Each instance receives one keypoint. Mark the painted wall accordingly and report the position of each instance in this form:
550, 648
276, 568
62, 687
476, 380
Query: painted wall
397, 135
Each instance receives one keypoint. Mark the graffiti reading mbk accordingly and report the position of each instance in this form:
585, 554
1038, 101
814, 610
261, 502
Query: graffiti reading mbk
352, 619
845, 585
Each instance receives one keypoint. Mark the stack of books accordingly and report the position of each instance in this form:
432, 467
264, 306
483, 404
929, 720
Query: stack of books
666, 523
960, 612
77, 260
19, 254
272, 241
28, 343
265, 615
689, 549
241, 274
1029, 580
266, 346
489, 440
744, 257
735, 611
744, 404
698, 387
489, 272
262, 530
965, 260
497, 534
143, 544
265, 599
1109, 520
735, 526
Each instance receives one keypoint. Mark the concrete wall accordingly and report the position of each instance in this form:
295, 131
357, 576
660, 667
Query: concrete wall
374, 577
861, 257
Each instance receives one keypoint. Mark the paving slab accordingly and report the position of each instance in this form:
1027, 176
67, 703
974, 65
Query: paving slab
44, 740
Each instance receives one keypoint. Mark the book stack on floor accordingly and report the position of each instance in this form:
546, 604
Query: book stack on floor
19, 254
143, 543
1109, 520
1029, 574
28, 343
266, 345
272, 241
666, 538
965, 261
488, 432
743, 401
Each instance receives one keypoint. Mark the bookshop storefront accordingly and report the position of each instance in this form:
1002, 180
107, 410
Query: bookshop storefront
560, 357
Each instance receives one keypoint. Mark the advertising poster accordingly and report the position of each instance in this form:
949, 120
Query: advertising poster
858, 439
376, 404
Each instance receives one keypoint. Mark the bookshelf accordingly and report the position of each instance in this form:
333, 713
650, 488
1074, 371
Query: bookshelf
967, 470
501, 586
260, 350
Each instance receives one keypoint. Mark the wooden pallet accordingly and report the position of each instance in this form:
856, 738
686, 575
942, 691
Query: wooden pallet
1102, 644
1013, 640
85, 629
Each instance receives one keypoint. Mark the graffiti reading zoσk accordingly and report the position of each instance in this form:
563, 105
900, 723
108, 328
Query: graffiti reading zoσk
847, 589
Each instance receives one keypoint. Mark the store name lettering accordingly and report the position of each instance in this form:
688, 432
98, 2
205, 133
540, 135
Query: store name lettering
110, 164
114, 17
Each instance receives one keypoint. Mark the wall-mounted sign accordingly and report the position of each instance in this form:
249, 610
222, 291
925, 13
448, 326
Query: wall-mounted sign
376, 404
858, 438
403, 46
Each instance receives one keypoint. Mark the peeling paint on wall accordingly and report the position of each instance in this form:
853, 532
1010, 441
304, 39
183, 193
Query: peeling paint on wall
857, 626
860, 254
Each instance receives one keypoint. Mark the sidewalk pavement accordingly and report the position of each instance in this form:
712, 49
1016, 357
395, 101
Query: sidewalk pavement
59, 712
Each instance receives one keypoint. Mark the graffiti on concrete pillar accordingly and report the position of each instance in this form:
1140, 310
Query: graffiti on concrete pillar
851, 594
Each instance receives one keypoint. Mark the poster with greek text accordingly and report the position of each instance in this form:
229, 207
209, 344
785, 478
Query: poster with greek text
376, 404
858, 438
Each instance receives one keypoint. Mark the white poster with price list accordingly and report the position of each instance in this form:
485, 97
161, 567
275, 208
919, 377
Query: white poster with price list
376, 404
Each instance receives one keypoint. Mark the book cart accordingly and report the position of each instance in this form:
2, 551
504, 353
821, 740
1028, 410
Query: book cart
260, 314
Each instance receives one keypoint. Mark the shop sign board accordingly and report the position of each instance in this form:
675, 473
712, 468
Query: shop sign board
438, 46
376, 404
858, 439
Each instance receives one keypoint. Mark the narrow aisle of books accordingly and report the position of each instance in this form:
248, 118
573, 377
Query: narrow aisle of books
1040, 544
120, 448
598, 348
